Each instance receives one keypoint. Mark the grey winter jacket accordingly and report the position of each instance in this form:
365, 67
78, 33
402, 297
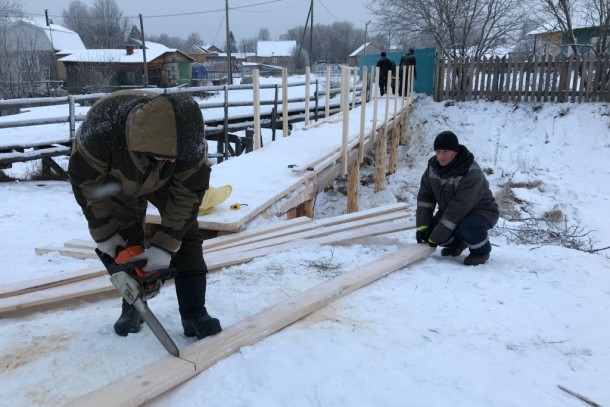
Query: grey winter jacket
458, 189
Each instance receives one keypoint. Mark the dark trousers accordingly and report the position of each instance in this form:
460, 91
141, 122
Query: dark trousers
472, 230
188, 260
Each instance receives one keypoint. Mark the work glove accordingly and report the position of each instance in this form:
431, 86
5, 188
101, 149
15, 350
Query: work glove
112, 245
422, 234
155, 259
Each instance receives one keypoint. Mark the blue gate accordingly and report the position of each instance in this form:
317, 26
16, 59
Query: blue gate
426, 59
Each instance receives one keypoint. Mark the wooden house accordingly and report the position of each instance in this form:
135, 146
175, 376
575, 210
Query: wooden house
98, 70
552, 41
274, 52
30, 54
369, 48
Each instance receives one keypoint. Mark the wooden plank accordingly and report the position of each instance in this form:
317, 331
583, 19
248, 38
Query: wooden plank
226, 240
220, 259
67, 251
283, 228
236, 237
101, 284
337, 220
85, 288
279, 229
43, 283
156, 378
311, 233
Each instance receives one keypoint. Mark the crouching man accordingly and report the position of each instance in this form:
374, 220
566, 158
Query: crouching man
134, 148
467, 208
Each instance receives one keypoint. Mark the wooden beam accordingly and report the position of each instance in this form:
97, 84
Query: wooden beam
156, 378
285, 102
256, 96
327, 93
353, 186
216, 260
223, 242
43, 283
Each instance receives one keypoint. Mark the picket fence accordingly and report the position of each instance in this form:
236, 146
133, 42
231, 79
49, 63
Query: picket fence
539, 78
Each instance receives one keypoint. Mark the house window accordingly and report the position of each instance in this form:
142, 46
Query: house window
131, 78
274, 60
545, 47
46, 74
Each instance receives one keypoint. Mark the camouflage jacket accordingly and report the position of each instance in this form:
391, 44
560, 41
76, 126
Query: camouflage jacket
112, 164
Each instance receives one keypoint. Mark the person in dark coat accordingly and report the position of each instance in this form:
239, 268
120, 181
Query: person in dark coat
467, 209
407, 60
136, 147
385, 65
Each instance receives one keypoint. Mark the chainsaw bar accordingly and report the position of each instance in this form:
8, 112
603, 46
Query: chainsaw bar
129, 288
156, 327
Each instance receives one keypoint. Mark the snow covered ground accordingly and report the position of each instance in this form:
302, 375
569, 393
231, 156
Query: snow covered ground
436, 333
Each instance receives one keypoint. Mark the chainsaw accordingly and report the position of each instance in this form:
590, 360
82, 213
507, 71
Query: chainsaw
137, 286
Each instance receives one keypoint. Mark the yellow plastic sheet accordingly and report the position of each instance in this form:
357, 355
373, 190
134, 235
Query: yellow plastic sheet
214, 197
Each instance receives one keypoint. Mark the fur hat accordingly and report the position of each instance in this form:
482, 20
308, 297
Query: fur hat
447, 140
383, 54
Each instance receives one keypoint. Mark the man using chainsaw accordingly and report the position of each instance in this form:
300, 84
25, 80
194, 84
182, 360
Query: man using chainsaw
136, 147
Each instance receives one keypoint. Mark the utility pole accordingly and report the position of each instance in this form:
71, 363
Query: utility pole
145, 76
311, 35
366, 26
229, 63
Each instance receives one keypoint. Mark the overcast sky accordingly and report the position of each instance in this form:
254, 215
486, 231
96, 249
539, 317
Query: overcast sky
207, 17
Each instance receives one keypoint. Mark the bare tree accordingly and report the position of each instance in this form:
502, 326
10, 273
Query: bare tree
20, 73
194, 39
247, 45
333, 43
459, 27
298, 61
78, 18
561, 14
109, 27
263, 34
598, 12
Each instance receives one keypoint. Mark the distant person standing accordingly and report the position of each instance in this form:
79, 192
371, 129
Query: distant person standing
407, 60
385, 66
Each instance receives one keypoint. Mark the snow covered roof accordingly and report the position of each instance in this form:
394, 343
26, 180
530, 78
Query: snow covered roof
153, 51
362, 47
60, 37
577, 23
274, 48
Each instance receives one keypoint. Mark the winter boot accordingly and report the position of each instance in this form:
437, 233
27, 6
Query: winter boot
476, 259
129, 322
201, 325
190, 290
454, 250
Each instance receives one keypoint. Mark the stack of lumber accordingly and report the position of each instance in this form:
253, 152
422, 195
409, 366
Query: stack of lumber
219, 252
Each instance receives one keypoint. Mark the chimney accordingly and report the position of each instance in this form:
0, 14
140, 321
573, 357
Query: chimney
129, 49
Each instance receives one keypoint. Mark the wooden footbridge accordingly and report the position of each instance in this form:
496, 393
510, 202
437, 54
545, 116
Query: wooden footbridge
281, 178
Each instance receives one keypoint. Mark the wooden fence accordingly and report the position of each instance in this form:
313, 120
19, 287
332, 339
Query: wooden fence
540, 78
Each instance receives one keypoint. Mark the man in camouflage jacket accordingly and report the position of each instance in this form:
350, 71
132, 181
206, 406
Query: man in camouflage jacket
467, 208
134, 148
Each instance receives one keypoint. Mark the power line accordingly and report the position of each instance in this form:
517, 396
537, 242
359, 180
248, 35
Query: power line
327, 10
179, 14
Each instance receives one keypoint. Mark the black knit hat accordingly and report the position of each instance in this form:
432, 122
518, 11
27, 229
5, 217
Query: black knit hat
446, 140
